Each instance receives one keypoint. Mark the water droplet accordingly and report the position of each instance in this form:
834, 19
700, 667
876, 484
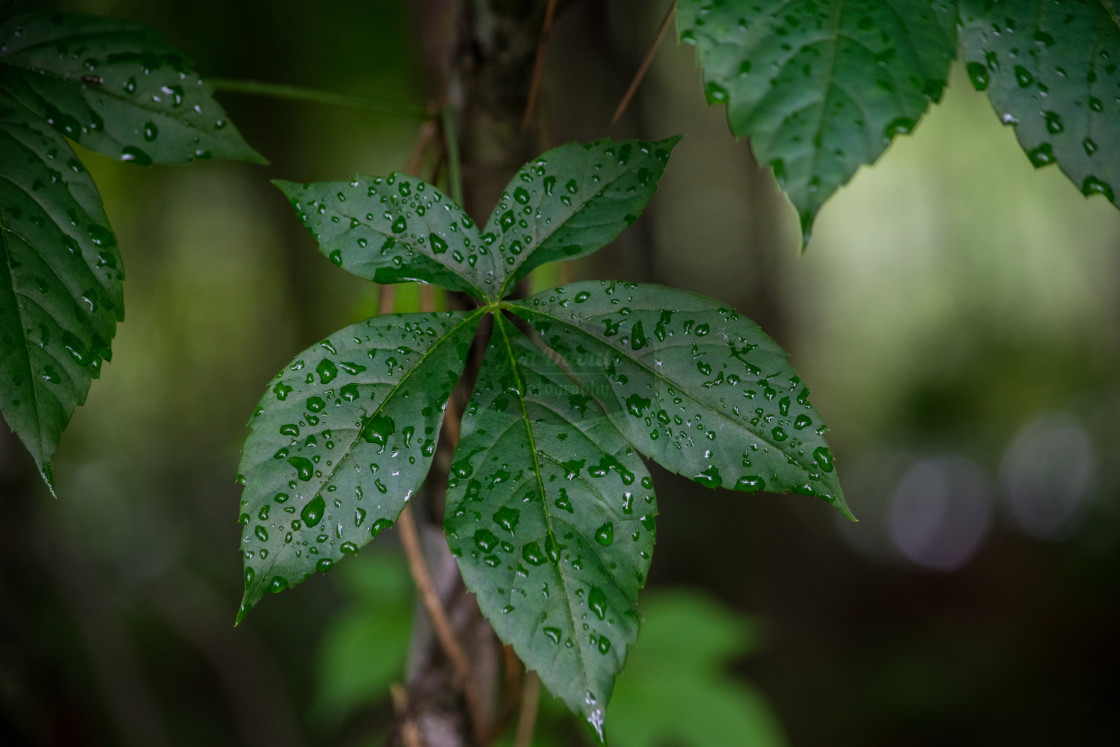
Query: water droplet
978, 74
151, 132
1023, 76
715, 93
1042, 155
380, 526
400, 225
597, 602
604, 535
1089, 145
135, 155
304, 468
1053, 122
552, 633
313, 512
1094, 186
439, 246
327, 370
507, 518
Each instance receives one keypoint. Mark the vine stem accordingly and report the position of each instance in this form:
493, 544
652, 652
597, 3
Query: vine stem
538, 64
451, 140
657, 38
313, 95
527, 719
410, 538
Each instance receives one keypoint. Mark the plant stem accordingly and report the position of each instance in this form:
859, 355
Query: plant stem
296, 93
451, 137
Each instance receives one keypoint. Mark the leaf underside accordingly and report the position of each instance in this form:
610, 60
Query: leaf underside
550, 517
1050, 70
60, 281
117, 88
821, 87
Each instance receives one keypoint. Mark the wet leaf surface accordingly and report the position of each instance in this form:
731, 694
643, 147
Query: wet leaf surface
1050, 70
572, 201
821, 87
117, 88
692, 384
60, 281
395, 229
341, 439
551, 518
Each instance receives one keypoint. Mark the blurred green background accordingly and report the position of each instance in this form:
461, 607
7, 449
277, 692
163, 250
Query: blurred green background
955, 314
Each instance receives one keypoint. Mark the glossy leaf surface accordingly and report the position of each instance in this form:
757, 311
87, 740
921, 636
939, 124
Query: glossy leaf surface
60, 281
572, 201
551, 518
340, 441
692, 384
115, 87
395, 229
820, 86
1050, 70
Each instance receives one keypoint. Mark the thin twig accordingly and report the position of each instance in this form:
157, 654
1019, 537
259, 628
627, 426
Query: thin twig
538, 64
410, 538
427, 136
645, 63
296, 93
527, 720
410, 733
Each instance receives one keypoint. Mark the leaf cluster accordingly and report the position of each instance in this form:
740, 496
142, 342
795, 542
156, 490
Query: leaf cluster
118, 89
550, 508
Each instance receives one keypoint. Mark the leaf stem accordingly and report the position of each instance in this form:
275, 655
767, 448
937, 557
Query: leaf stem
451, 138
296, 93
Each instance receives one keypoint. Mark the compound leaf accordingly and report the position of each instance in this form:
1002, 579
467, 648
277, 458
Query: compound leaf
60, 281
340, 441
572, 201
395, 229
820, 86
1050, 69
117, 88
692, 384
551, 518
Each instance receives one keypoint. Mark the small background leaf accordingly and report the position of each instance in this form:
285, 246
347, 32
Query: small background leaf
341, 440
395, 229
117, 88
1050, 69
676, 691
572, 201
60, 281
820, 86
550, 516
693, 385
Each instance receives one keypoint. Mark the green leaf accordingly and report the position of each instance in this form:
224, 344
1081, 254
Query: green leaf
1050, 69
693, 385
676, 689
572, 201
551, 518
340, 441
820, 86
117, 88
60, 281
395, 229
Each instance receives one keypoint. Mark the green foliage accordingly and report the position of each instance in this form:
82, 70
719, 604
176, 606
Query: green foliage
1050, 69
676, 690
550, 508
822, 88
118, 89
